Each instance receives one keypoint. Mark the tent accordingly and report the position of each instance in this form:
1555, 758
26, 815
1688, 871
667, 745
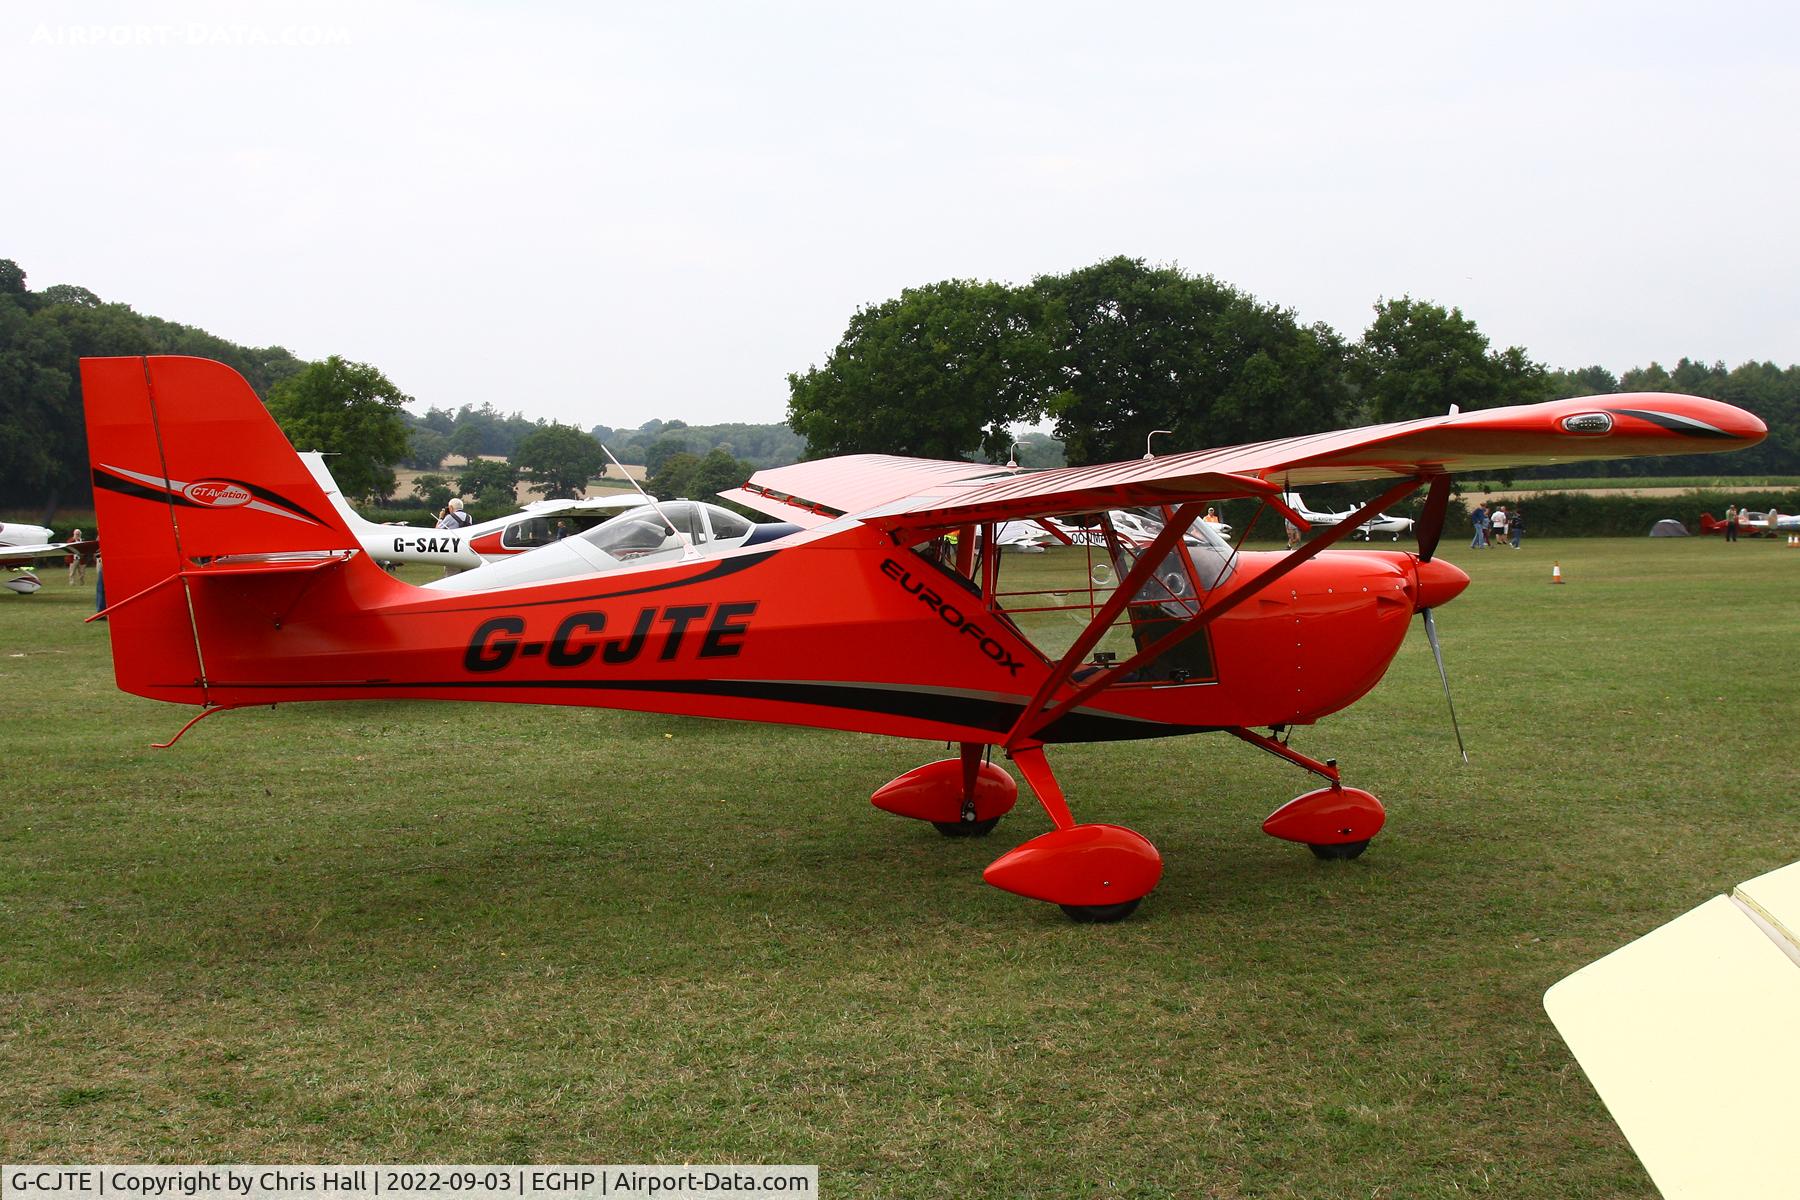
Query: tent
1668, 528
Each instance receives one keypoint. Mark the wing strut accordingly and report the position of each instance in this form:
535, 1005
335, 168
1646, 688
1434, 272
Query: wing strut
1141, 570
1035, 718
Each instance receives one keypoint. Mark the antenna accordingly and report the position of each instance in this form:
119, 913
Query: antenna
1147, 455
688, 547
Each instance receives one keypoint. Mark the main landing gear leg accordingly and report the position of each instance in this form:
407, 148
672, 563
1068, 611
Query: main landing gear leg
1334, 822
1094, 872
961, 797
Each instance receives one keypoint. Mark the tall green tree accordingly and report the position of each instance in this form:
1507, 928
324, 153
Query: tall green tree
433, 491
348, 409
489, 481
1583, 381
39, 418
426, 448
467, 440
1140, 348
939, 372
1417, 359
559, 460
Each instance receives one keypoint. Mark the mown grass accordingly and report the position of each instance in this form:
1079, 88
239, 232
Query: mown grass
474, 933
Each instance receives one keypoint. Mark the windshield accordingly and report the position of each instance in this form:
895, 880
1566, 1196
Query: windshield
1207, 547
645, 530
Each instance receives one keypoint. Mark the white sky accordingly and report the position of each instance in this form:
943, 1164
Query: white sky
604, 213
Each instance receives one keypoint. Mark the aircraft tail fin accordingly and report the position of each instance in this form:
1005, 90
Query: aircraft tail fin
189, 468
334, 496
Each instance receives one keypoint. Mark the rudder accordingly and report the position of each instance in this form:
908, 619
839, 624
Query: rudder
188, 466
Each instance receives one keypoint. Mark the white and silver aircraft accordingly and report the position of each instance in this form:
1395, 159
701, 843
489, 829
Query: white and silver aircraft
1379, 523
653, 532
1138, 526
23, 545
538, 524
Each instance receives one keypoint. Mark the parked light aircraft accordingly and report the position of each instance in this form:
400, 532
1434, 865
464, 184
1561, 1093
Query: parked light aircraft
649, 533
240, 584
540, 523
23, 545
1136, 528
1755, 524
1379, 523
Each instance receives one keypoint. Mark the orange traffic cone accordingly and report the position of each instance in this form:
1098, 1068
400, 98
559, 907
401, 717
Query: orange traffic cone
1556, 572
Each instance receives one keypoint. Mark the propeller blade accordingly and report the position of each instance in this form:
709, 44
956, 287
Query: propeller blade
1431, 519
1437, 652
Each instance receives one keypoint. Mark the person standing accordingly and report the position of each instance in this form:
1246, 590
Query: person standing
1479, 518
1498, 521
454, 517
77, 560
1293, 534
1731, 516
1517, 525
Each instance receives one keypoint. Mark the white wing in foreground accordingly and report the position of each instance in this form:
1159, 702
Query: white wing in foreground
1691, 1035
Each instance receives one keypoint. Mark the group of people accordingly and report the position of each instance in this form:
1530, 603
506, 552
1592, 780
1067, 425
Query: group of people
1497, 528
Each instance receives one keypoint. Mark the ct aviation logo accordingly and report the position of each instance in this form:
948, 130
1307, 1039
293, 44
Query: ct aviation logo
216, 493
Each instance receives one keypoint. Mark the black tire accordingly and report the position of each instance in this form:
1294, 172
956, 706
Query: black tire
966, 828
1100, 914
1339, 852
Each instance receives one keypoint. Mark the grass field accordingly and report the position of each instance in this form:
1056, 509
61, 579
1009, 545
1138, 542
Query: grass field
486, 933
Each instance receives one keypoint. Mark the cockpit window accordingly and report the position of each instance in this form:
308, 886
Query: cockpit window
1053, 592
725, 523
643, 530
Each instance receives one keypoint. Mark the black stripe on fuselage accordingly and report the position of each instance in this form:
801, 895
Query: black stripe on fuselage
995, 716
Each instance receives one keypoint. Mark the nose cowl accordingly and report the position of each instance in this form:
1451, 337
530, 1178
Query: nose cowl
1439, 583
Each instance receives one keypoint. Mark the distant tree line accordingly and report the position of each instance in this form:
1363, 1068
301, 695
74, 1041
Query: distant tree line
471, 432
1112, 352
1104, 355
43, 335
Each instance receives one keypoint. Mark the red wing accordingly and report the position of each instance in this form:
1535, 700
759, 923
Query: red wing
1623, 425
918, 494
853, 483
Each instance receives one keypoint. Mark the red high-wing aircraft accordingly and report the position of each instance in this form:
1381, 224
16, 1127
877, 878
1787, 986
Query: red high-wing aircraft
238, 584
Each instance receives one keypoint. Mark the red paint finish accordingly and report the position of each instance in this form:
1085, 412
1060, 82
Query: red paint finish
1329, 816
934, 792
1083, 865
489, 543
243, 587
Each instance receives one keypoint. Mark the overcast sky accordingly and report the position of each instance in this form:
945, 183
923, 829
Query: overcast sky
604, 213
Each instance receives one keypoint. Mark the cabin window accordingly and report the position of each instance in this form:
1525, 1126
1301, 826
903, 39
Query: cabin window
725, 523
644, 530
1051, 596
